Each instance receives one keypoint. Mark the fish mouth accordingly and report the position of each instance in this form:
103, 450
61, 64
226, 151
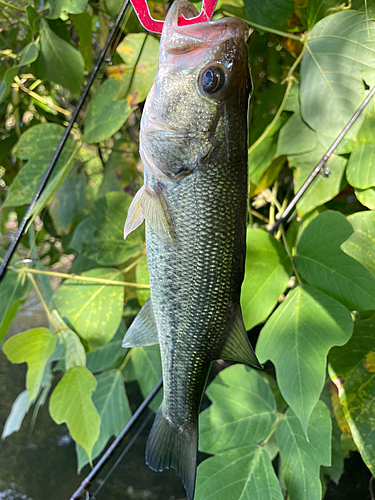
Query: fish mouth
178, 40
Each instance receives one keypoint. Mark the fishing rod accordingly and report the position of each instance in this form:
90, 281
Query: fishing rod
47, 174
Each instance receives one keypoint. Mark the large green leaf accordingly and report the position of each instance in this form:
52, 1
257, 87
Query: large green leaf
38, 145
58, 60
75, 354
301, 459
93, 310
17, 414
338, 49
352, 369
106, 113
72, 201
33, 347
260, 158
361, 244
324, 188
366, 197
243, 473
71, 402
146, 363
296, 137
270, 13
360, 171
317, 9
100, 237
297, 339
267, 272
140, 53
109, 355
113, 407
83, 24
323, 264
243, 411
142, 277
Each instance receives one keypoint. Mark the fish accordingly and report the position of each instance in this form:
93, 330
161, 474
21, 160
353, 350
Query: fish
193, 145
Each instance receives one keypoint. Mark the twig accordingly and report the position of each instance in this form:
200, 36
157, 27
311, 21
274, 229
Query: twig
87, 279
40, 98
86, 483
6, 4
322, 162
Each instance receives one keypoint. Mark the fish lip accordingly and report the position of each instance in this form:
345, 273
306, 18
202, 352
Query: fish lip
182, 39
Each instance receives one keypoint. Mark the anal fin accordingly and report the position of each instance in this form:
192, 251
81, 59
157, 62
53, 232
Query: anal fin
237, 347
143, 330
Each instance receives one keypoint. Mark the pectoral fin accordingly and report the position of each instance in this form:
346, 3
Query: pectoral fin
142, 331
150, 204
237, 347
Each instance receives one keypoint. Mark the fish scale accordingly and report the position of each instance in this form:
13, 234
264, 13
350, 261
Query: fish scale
193, 143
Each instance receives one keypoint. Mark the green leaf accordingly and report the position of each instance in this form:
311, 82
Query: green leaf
267, 272
72, 201
324, 188
113, 407
323, 264
238, 474
17, 414
82, 23
58, 61
260, 158
297, 339
75, 354
338, 49
121, 167
360, 171
296, 137
57, 7
33, 347
361, 244
13, 290
271, 14
366, 197
243, 411
106, 113
100, 237
140, 53
301, 459
146, 363
142, 277
71, 402
38, 145
352, 369
317, 9
93, 310
108, 355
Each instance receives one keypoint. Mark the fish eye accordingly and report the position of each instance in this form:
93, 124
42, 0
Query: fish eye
211, 80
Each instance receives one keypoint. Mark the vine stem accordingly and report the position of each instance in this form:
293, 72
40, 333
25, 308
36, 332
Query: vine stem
45, 307
284, 34
82, 278
291, 80
6, 4
39, 98
290, 254
279, 416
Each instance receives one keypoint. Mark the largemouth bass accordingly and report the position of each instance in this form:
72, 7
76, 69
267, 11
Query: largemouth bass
193, 143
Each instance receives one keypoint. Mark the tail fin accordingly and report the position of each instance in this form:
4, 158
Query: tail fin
172, 446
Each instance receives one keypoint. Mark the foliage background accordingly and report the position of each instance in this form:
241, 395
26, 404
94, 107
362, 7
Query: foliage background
309, 291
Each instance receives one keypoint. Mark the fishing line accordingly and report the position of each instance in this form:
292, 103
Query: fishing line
56, 155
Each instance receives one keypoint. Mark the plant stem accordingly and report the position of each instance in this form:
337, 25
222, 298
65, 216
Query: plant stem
277, 32
290, 254
130, 266
48, 312
291, 80
87, 279
279, 416
126, 359
6, 4
41, 99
